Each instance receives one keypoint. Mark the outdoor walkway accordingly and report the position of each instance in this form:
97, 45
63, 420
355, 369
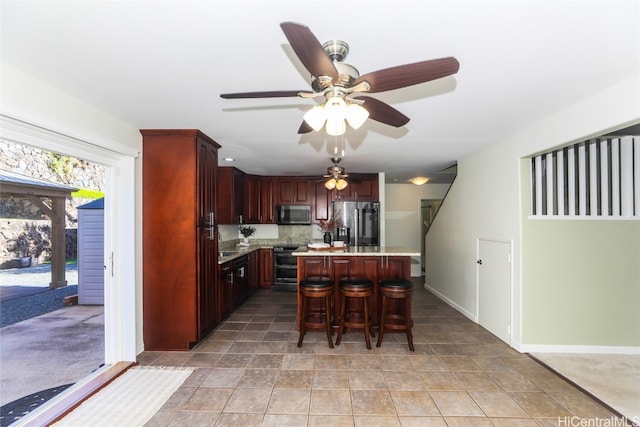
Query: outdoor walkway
56, 346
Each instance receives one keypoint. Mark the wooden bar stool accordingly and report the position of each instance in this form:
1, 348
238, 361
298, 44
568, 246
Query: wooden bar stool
396, 318
320, 288
355, 292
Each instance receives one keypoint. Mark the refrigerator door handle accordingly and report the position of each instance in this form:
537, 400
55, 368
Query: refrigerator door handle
356, 225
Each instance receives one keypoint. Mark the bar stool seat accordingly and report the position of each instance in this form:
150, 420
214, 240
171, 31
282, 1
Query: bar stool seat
397, 319
355, 292
321, 288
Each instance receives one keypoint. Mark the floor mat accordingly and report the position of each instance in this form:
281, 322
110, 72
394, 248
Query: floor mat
130, 400
17, 409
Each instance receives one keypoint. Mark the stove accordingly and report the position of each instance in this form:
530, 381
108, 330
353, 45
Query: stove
285, 268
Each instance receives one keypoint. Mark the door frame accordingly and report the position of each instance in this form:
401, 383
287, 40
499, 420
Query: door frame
121, 289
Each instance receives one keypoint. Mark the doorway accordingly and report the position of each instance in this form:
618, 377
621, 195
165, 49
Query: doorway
428, 210
494, 287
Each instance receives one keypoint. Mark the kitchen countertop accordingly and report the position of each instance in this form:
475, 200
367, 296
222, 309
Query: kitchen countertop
239, 251
357, 251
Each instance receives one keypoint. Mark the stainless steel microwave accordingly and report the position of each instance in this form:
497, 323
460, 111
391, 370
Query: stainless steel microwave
293, 214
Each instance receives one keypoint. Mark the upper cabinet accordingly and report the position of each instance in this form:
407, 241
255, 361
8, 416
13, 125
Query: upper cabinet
292, 190
363, 187
251, 213
267, 205
230, 195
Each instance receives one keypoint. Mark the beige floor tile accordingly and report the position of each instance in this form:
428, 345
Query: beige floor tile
497, 404
208, 399
284, 420
289, 401
414, 403
428, 363
230, 360
468, 422
223, 377
330, 420
330, 362
456, 404
367, 380
362, 362
376, 421
297, 361
266, 361
440, 380
248, 400
513, 381
372, 402
330, 402
422, 422
540, 405
460, 363
258, 378
403, 380
515, 422
294, 379
239, 420
193, 419
395, 363
325, 379
479, 381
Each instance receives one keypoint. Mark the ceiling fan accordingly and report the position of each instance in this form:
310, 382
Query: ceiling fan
342, 86
336, 175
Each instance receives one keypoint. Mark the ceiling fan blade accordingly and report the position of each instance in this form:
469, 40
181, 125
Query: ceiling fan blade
309, 50
266, 94
409, 74
383, 113
304, 127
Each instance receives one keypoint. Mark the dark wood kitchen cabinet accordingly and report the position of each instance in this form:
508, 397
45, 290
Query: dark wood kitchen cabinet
323, 198
265, 280
179, 237
363, 187
230, 195
291, 190
251, 213
225, 290
267, 205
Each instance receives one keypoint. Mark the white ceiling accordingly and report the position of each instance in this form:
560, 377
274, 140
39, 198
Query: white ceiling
163, 64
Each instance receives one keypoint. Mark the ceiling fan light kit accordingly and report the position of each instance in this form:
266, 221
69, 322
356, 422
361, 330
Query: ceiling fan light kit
336, 175
341, 84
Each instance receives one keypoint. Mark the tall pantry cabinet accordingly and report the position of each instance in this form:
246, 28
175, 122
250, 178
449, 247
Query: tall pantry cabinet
180, 244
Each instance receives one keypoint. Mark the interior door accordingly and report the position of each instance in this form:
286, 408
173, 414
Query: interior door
494, 287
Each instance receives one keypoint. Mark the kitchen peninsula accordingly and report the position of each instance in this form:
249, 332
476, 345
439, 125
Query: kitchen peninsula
372, 262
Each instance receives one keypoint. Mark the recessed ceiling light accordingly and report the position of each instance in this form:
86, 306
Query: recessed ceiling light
229, 159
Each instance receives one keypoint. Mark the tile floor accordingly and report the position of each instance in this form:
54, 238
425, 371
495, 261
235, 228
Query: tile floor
250, 372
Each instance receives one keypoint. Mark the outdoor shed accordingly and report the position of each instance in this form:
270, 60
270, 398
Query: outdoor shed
91, 253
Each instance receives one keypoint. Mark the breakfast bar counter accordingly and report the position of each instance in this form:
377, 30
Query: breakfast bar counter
371, 262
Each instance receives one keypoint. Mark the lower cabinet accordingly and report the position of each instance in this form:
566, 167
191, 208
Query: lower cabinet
374, 268
265, 279
237, 279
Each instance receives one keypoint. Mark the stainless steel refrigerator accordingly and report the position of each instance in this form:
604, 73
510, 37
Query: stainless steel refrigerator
359, 223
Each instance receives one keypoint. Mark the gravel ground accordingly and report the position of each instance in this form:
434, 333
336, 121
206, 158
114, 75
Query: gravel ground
34, 296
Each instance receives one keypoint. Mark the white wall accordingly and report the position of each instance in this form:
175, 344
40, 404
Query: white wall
484, 201
403, 222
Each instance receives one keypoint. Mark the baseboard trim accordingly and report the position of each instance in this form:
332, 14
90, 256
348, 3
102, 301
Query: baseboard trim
452, 303
579, 349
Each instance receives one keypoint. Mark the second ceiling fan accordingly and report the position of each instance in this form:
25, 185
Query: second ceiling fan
342, 87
